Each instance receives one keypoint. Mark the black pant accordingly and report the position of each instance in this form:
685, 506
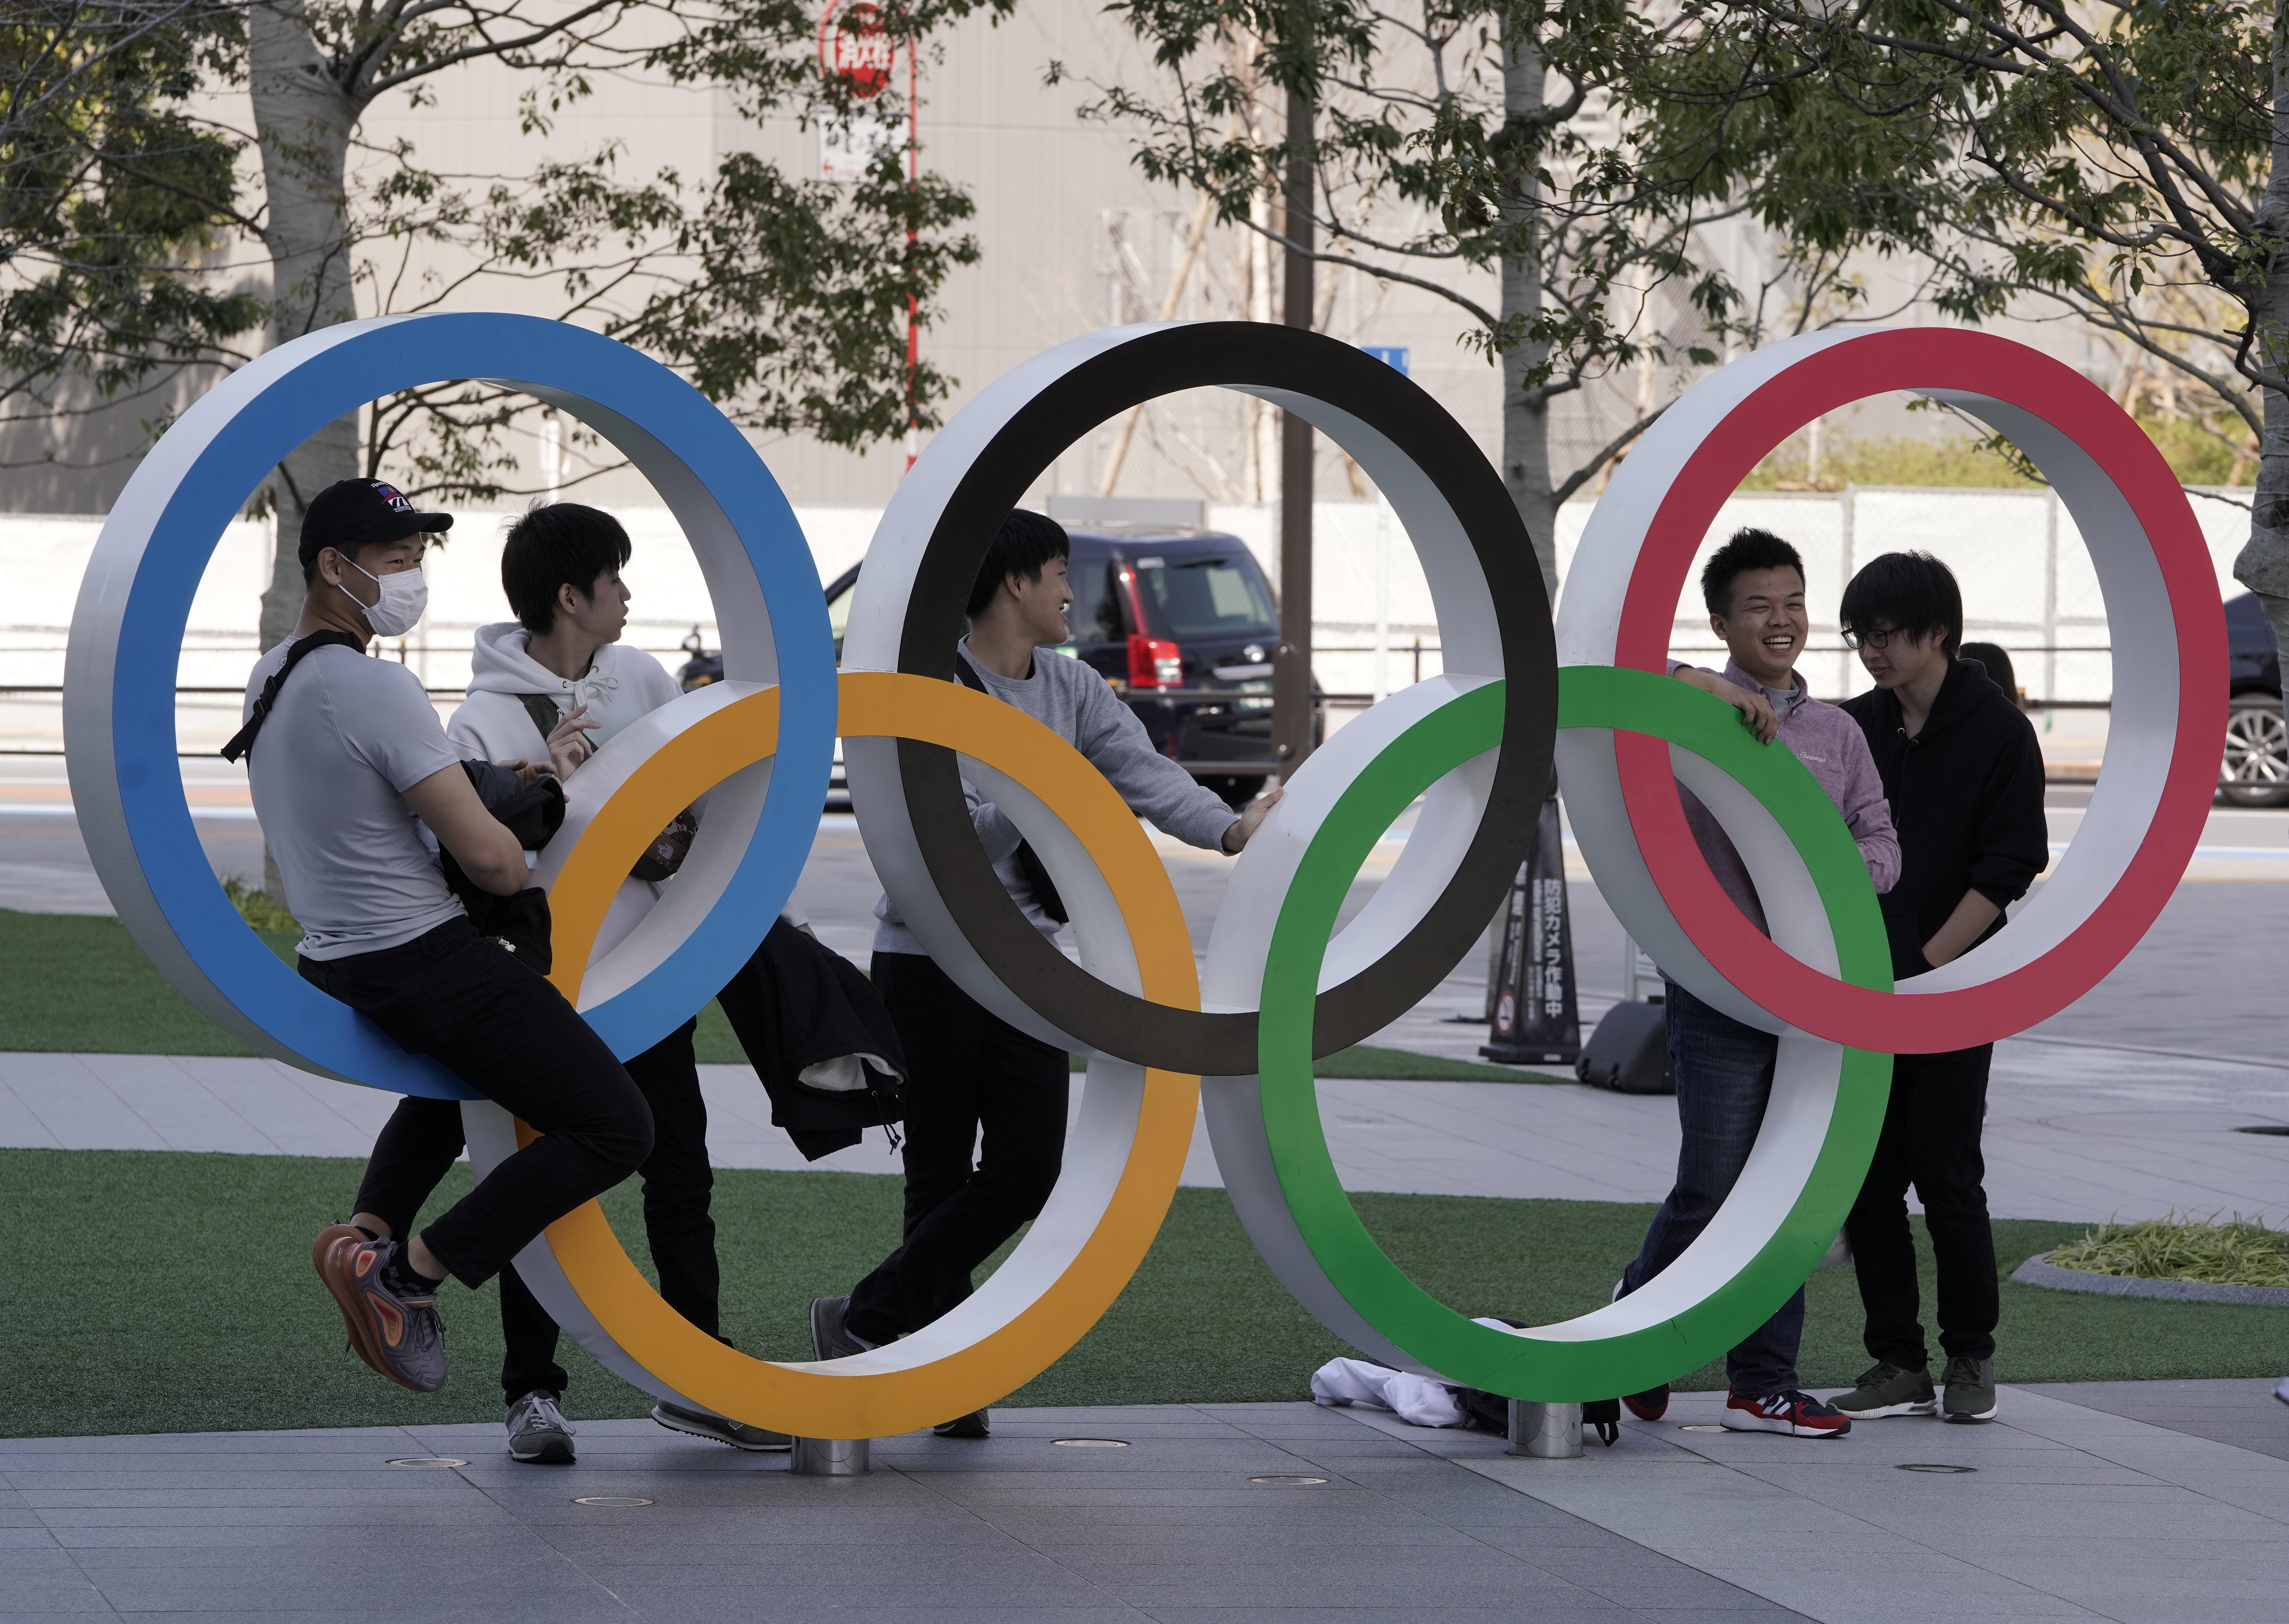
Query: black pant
1931, 1140
967, 1069
677, 1184
472, 1006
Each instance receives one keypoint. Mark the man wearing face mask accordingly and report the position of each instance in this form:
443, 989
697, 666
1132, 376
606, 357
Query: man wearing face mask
346, 761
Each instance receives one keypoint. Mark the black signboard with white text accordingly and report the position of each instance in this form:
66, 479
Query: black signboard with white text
1534, 1019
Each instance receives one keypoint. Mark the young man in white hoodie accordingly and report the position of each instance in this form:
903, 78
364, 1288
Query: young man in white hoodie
557, 675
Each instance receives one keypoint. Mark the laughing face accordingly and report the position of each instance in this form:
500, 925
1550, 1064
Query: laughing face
1766, 628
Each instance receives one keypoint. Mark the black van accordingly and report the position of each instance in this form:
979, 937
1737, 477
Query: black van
1181, 621
2255, 772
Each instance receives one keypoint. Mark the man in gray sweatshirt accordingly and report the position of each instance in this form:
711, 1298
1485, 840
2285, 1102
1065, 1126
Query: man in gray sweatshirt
969, 1068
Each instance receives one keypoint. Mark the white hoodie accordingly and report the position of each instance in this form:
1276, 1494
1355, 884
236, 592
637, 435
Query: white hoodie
493, 725
621, 685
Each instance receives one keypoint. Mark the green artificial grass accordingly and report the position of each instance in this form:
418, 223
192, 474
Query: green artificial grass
79, 984
163, 1291
2211, 1252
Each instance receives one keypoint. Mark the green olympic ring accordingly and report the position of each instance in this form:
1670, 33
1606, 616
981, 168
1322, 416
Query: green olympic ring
1647, 1338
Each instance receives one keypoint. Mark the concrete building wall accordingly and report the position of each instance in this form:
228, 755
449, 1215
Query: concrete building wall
1073, 238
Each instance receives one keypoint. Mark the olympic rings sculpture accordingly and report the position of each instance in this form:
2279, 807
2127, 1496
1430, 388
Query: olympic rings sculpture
1281, 985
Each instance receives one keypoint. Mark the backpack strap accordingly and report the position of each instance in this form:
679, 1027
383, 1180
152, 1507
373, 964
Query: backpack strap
242, 743
543, 713
1029, 861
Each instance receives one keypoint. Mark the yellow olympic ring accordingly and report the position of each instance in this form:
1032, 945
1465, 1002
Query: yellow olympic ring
888, 1391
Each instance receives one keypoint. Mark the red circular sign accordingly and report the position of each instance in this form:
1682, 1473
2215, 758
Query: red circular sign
854, 43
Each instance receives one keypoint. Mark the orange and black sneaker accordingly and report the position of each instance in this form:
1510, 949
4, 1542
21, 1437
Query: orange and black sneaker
394, 1331
342, 1234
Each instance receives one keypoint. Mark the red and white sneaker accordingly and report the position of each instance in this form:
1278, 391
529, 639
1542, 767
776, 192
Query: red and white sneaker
1798, 1415
1651, 1404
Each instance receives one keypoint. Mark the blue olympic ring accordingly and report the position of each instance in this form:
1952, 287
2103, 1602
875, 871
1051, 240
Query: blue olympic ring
127, 634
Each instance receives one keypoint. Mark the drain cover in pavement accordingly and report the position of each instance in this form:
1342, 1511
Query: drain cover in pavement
608, 1500
1292, 1483
429, 1460
1090, 1443
1933, 1466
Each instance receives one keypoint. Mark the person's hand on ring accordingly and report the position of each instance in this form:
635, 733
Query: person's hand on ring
1250, 819
569, 745
1756, 710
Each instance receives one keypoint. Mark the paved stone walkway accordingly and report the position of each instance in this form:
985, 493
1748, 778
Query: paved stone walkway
1225, 1513
2112, 1136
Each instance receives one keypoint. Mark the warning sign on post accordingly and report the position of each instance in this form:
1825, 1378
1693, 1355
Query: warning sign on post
856, 47
1536, 1019
849, 146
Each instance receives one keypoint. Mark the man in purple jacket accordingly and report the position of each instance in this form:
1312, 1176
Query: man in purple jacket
1754, 587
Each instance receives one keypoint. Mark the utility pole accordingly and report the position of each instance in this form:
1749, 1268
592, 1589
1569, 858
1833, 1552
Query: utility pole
1291, 670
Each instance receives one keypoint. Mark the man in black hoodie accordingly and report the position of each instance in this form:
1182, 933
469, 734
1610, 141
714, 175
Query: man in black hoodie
1964, 774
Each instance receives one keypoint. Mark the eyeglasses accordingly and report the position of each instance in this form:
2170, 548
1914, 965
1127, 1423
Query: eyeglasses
1857, 640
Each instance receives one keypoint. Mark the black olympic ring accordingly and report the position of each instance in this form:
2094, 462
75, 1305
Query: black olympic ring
1298, 370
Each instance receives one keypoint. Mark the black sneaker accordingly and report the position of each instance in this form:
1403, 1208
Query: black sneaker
973, 1425
1885, 1388
538, 1434
828, 1339
722, 1429
1967, 1391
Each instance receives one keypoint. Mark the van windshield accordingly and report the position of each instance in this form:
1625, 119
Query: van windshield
1198, 597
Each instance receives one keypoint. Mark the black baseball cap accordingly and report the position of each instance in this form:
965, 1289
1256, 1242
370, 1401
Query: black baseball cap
351, 513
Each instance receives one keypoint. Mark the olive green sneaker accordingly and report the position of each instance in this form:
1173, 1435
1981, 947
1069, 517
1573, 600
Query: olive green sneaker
1968, 1390
1887, 1389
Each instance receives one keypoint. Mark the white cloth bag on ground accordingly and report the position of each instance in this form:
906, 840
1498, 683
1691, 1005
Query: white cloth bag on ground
1419, 1401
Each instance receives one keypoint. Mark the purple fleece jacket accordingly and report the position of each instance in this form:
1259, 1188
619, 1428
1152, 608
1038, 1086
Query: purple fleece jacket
1830, 743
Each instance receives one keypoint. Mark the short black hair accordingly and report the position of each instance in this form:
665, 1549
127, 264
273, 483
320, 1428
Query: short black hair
1749, 549
1905, 592
1024, 545
1996, 662
558, 544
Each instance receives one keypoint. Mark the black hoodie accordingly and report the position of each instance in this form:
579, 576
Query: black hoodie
1966, 796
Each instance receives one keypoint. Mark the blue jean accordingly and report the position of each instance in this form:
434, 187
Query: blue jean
1723, 1077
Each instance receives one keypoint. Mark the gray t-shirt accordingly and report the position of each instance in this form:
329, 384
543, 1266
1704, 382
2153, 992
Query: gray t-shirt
1072, 701
347, 734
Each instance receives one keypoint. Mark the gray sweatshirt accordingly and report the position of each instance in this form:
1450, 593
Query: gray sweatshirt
1073, 701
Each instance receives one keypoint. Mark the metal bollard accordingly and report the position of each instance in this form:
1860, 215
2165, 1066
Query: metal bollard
1545, 1431
847, 1457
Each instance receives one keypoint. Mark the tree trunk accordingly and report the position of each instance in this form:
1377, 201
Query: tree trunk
1291, 675
1525, 417
302, 121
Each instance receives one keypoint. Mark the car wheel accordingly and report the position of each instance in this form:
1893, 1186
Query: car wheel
2255, 772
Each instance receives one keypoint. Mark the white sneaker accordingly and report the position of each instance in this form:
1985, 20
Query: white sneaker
2282, 1390
538, 1432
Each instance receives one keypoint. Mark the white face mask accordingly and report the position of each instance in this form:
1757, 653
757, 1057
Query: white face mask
404, 597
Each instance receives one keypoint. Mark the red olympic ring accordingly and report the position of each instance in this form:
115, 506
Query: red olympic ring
1977, 368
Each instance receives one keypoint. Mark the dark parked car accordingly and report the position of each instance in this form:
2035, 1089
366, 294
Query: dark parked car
2255, 772
1180, 622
